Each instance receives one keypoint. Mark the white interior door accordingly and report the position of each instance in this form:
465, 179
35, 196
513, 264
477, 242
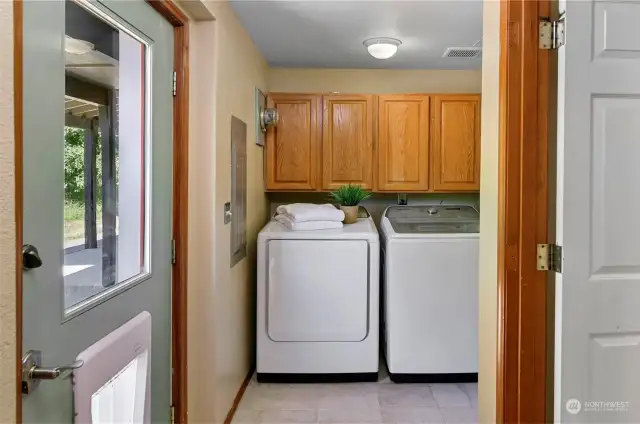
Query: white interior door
598, 211
97, 193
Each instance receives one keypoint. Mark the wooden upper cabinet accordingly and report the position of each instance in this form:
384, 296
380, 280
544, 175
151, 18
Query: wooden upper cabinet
393, 143
403, 143
292, 147
456, 143
347, 141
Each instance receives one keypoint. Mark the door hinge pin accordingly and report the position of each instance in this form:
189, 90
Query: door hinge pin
551, 34
173, 414
175, 83
173, 251
549, 258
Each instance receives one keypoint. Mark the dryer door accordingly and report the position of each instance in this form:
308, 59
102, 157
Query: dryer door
318, 290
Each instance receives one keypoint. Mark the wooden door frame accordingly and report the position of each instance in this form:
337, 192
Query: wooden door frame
180, 22
172, 13
18, 119
523, 213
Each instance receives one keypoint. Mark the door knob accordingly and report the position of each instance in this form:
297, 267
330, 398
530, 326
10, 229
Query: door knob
30, 257
33, 372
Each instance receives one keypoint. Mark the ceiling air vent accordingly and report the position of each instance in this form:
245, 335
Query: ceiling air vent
462, 52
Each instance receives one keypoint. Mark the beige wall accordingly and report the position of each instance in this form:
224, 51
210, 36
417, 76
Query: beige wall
201, 244
373, 81
7, 222
226, 67
489, 217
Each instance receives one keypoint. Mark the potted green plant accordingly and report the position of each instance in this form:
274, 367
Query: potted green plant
349, 197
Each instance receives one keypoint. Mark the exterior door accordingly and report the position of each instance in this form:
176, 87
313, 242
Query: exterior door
347, 141
598, 204
292, 145
97, 189
403, 140
455, 158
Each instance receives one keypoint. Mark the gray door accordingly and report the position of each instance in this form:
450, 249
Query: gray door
97, 187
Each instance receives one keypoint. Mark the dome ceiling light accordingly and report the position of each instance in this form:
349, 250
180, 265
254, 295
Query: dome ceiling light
381, 47
75, 46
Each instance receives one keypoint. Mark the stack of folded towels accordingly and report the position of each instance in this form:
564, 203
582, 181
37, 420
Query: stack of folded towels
307, 216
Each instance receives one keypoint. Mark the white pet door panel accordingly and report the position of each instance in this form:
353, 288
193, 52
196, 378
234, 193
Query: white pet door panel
318, 290
112, 386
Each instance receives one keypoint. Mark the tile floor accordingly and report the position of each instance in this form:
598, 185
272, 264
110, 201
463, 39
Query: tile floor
362, 403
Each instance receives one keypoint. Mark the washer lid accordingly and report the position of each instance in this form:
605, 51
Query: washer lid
435, 227
433, 213
441, 219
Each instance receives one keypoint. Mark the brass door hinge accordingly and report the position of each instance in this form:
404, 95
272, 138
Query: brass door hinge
173, 414
551, 34
549, 258
175, 83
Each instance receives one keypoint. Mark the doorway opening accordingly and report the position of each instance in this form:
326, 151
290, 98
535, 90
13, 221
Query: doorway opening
401, 118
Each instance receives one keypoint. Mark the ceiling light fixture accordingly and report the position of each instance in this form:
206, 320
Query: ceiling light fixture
381, 47
75, 46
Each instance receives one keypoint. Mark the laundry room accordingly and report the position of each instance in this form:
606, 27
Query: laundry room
367, 271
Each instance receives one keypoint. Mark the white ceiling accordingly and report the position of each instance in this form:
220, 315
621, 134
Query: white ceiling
330, 33
93, 66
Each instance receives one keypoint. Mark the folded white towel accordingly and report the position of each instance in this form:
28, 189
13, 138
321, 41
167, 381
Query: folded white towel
307, 225
302, 212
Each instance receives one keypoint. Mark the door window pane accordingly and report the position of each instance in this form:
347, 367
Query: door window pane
105, 213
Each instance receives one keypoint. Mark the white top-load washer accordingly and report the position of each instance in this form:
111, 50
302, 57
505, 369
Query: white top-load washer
430, 289
318, 303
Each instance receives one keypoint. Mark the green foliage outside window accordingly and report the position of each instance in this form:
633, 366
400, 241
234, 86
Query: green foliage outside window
74, 165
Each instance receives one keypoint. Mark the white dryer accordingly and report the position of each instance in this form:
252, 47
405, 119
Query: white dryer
318, 303
430, 289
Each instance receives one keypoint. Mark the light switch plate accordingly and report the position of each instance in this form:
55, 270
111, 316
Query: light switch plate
227, 213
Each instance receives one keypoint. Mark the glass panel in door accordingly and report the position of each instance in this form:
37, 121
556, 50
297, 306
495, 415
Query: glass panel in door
104, 158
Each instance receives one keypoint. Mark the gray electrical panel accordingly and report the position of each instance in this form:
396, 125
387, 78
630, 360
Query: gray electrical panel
238, 190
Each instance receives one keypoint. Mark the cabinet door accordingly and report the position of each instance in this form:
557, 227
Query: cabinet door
403, 141
292, 146
456, 143
347, 141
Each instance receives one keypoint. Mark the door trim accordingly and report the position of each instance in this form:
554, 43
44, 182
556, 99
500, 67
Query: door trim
180, 22
18, 195
523, 213
172, 13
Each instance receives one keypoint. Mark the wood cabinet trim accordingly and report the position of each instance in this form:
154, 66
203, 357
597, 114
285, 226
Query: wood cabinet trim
376, 145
